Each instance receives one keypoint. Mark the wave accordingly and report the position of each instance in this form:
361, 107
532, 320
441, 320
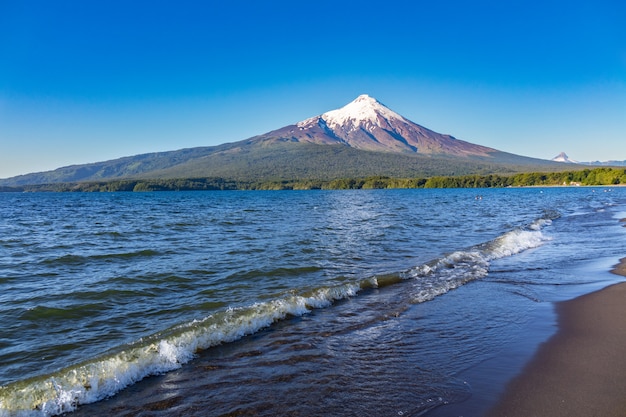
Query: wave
80, 259
104, 376
455, 269
79, 311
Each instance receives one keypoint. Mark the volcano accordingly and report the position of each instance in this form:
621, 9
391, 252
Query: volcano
363, 138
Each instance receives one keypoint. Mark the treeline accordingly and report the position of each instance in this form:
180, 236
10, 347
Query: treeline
597, 176
186, 184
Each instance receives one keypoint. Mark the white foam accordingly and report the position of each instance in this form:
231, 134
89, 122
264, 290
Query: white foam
515, 242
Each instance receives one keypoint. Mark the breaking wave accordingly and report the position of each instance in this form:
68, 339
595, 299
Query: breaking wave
106, 375
455, 269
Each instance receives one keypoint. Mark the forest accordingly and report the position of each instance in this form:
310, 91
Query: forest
585, 177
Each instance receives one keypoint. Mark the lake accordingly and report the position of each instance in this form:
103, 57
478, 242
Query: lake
355, 302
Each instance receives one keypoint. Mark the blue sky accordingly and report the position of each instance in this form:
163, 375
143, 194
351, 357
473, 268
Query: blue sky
86, 81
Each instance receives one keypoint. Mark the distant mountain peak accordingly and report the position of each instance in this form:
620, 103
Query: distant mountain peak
562, 157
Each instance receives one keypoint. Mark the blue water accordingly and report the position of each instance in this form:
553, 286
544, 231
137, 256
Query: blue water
290, 302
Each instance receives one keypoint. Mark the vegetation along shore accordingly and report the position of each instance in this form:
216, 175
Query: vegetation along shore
585, 177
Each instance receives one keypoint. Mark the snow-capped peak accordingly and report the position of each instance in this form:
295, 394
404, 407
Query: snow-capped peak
367, 124
363, 109
562, 157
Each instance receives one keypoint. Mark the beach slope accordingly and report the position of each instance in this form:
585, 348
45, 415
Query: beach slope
580, 371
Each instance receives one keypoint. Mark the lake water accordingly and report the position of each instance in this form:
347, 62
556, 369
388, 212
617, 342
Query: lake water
269, 303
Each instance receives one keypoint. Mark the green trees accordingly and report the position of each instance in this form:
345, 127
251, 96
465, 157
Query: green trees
596, 176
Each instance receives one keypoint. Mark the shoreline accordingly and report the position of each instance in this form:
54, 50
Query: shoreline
581, 370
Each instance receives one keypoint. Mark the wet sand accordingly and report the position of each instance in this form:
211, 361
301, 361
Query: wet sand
580, 371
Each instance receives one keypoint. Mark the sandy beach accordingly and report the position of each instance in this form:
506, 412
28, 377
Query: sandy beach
580, 371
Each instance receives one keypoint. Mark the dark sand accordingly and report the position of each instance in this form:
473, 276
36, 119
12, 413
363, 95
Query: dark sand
580, 371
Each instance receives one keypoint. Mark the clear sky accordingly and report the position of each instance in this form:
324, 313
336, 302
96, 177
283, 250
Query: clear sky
86, 81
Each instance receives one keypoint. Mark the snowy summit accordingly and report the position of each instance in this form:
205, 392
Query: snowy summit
363, 110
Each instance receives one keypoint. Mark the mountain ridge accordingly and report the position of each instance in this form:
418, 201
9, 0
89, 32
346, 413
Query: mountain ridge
562, 157
315, 147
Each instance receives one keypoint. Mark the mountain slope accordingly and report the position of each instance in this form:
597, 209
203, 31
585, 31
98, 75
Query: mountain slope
295, 160
362, 138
